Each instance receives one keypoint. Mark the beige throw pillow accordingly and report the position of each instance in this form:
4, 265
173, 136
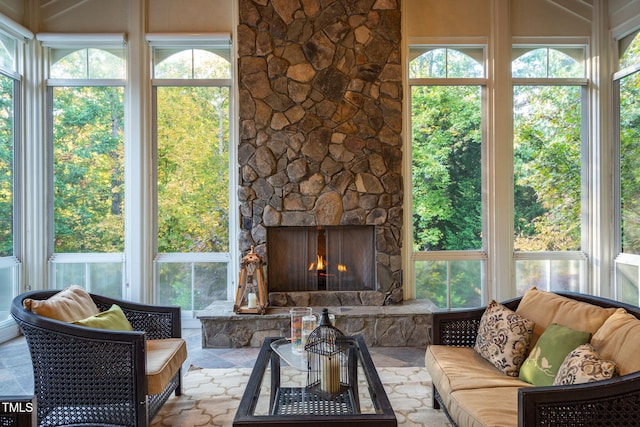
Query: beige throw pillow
68, 305
584, 365
503, 338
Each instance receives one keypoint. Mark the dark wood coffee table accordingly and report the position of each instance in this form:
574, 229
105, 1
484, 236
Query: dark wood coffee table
276, 394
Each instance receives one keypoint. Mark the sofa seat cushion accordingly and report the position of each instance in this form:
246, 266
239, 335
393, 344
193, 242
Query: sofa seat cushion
164, 359
545, 308
462, 368
485, 407
619, 340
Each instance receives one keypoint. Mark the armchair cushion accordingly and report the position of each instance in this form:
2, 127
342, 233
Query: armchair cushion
113, 319
164, 359
68, 305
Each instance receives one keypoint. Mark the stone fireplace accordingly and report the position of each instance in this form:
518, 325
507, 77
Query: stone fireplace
320, 97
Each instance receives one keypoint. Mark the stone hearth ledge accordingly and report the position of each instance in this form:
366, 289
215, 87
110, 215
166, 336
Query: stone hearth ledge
401, 325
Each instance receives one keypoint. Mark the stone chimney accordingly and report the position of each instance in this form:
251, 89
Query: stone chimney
320, 85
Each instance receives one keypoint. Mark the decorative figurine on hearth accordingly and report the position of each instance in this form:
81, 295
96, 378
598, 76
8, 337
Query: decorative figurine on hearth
329, 370
251, 295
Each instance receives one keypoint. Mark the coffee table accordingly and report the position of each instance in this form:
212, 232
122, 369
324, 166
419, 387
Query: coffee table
276, 394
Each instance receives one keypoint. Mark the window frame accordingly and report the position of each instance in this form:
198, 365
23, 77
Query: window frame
206, 42
620, 258
55, 41
21, 35
583, 83
448, 257
13, 261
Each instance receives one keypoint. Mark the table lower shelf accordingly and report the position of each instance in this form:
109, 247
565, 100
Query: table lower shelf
304, 401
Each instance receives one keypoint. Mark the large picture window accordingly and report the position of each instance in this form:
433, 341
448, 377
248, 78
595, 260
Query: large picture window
548, 145
446, 157
9, 263
627, 274
86, 95
192, 101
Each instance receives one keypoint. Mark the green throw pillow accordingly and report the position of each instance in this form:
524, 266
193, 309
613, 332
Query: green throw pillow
545, 359
113, 319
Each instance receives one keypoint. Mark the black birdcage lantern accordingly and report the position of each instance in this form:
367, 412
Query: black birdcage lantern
327, 359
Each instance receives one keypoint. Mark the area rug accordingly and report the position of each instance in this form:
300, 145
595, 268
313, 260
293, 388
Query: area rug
210, 397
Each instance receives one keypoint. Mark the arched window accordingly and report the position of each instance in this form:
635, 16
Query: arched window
545, 62
444, 62
629, 48
191, 64
87, 63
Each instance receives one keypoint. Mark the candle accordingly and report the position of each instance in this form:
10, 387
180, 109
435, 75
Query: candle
330, 374
252, 300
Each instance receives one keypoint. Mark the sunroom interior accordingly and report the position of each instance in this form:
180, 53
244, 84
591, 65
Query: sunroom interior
129, 167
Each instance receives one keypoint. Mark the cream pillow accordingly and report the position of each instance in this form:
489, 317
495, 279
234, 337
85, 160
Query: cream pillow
619, 340
584, 365
68, 305
503, 338
545, 308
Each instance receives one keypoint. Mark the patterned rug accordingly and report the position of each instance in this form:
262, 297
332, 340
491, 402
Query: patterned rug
210, 397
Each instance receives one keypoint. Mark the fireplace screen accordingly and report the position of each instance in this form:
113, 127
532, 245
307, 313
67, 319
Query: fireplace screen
331, 258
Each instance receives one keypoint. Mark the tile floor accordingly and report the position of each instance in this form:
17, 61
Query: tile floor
16, 373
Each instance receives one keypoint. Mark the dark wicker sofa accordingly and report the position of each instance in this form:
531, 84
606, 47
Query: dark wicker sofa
95, 377
612, 402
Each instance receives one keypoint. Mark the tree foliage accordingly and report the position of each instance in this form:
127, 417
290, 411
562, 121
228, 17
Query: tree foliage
88, 149
447, 176
193, 165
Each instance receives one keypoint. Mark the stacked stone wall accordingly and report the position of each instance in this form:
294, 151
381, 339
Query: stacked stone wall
320, 99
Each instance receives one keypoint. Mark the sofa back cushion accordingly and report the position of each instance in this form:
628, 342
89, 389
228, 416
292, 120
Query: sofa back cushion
68, 305
545, 308
619, 340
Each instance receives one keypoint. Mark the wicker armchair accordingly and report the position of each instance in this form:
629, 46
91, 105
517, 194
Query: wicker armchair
612, 402
94, 377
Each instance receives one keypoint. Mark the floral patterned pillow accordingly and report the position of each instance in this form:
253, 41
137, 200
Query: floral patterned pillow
503, 338
584, 365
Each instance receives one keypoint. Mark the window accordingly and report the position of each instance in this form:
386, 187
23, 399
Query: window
11, 143
192, 101
627, 80
9, 192
86, 98
447, 84
549, 119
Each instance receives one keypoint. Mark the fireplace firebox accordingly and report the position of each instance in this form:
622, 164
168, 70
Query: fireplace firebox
327, 258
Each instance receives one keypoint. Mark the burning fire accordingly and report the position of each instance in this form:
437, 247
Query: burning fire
321, 264
318, 265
